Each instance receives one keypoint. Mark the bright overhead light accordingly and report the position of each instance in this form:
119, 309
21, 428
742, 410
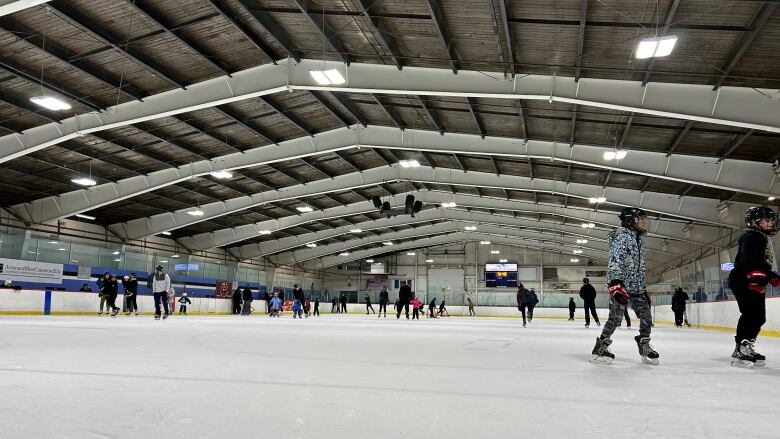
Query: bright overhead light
587, 225
411, 254
166, 233
311, 245
594, 200
484, 242
86, 217
388, 243
409, 163
343, 254
355, 230
618, 154
470, 228
84, 181
327, 77
305, 209
54, 242
62, 249
577, 252
582, 241
503, 261
115, 253
655, 47
574, 260
447, 205
50, 102
429, 261
196, 212
117, 260
174, 256
222, 174
494, 252
73, 260
771, 199
163, 262
264, 232
369, 260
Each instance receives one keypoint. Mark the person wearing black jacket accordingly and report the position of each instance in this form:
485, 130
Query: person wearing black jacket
383, 299
183, 302
343, 301
246, 295
298, 294
432, 309
754, 268
572, 308
131, 294
110, 290
678, 306
588, 296
237, 301
523, 300
404, 296
316, 311
334, 307
367, 299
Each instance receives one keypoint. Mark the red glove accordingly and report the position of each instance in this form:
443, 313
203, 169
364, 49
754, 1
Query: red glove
618, 292
757, 281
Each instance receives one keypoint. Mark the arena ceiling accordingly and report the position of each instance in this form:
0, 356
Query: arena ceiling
509, 107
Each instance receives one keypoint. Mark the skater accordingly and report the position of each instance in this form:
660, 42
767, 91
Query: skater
316, 306
237, 301
588, 296
572, 308
343, 301
626, 280
171, 300
276, 306
432, 309
383, 299
404, 296
101, 282
754, 268
333, 306
443, 309
523, 300
161, 283
183, 302
297, 309
367, 299
416, 304
110, 291
532, 304
307, 307
131, 294
471, 307
678, 306
246, 296
298, 294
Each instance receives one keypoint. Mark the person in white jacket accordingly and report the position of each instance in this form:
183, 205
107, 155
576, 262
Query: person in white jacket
161, 283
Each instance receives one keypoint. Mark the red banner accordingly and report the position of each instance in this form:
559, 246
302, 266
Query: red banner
224, 289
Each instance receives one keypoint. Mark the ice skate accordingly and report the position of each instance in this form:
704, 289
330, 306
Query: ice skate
165, 316
760, 359
116, 311
157, 316
649, 355
742, 356
601, 353
598, 324
587, 325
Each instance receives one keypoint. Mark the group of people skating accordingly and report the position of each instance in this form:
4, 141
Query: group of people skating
754, 268
162, 290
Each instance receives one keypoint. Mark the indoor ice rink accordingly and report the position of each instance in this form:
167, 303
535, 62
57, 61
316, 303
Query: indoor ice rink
389, 218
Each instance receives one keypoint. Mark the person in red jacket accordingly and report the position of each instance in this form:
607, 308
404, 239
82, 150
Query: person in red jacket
754, 268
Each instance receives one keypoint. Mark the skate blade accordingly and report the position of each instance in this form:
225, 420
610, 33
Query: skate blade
596, 359
760, 363
651, 361
742, 363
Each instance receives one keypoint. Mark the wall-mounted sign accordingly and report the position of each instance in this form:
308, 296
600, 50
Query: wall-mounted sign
186, 267
30, 271
492, 268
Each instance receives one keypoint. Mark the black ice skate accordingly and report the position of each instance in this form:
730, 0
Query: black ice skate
760, 359
601, 353
165, 316
742, 356
649, 355
157, 316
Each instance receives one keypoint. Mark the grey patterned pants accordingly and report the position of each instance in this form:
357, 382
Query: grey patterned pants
642, 309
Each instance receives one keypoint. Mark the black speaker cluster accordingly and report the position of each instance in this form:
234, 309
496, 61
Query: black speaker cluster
411, 207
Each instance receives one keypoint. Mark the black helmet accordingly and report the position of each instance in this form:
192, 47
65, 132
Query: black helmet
159, 268
585, 280
756, 214
630, 215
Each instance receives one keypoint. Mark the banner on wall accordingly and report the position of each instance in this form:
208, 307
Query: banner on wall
595, 273
375, 283
224, 289
30, 271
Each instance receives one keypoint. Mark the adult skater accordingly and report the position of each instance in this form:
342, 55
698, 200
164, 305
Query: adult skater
183, 302
404, 296
298, 294
678, 306
161, 283
237, 301
367, 299
442, 308
532, 304
626, 281
383, 299
754, 268
246, 296
523, 300
588, 296
572, 308
101, 282
131, 294
343, 301
432, 309
110, 291
471, 307
333, 306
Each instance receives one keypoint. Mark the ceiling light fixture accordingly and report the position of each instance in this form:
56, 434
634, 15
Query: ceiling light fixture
355, 230
311, 245
771, 199
166, 233
264, 232
494, 252
222, 174
582, 241
117, 260
656, 47
587, 225
470, 228
448, 205
411, 254
83, 181
115, 253
409, 163
54, 242
574, 260
196, 212
50, 102
503, 261
429, 261
175, 256
61, 249
163, 262
343, 254
305, 209
369, 260
86, 217
618, 154
577, 252
327, 77
387, 243
484, 242
594, 200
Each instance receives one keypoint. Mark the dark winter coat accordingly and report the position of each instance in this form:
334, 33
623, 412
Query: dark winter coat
754, 254
247, 294
383, 297
110, 287
343, 300
572, 305
298, 294
185, 300
405, 294
367, 300
131, 286
523, 297
534, 299
588, 293
678, 300
237, 296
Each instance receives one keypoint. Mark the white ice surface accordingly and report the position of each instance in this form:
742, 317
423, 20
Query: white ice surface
362, 377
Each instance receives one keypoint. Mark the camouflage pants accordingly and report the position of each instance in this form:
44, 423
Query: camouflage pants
642, 309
